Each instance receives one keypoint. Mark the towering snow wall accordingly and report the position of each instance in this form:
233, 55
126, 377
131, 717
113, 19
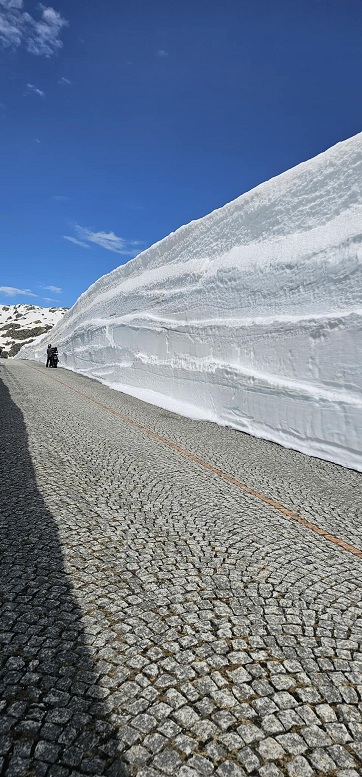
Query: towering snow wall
250, 317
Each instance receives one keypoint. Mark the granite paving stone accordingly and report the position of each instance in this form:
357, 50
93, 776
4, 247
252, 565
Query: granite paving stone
155, 618
270, 770
299, 767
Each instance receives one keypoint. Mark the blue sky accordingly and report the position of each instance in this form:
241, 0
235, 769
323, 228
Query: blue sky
121, 120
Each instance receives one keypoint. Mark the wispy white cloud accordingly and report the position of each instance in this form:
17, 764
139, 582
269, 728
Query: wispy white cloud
56, 289
11, 23
31, 89
64, 81
161, 53
108, 240
11, 291
60, 198
40, 37
77, 242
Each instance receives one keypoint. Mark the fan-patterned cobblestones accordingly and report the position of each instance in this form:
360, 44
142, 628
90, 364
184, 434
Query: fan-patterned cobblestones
156, 620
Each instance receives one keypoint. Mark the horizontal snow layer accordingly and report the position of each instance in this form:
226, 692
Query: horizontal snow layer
250, 317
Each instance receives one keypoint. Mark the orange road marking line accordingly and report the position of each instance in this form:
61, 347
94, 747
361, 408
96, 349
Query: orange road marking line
229, 479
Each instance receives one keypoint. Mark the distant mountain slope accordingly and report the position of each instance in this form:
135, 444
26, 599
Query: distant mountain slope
21, 324
250, 317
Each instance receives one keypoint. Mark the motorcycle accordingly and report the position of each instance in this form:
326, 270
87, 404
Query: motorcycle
54, 358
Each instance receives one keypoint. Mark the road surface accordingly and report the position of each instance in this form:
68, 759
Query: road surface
176, 598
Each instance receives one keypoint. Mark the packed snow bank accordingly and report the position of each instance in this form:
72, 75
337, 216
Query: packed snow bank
250, 317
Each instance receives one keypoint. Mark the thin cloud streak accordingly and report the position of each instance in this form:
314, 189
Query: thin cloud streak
56, 289
31, 88
107, 240
77, 242
11, 291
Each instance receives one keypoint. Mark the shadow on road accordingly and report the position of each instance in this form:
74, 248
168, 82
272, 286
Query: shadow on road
53, 719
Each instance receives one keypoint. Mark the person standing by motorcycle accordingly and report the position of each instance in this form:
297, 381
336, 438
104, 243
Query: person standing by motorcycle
49, 353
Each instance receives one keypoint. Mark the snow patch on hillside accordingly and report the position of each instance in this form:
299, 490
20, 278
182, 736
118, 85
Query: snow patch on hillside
250, 317
23, 323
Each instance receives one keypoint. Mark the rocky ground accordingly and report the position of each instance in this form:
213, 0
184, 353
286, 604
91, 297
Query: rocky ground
157, 619
21, 324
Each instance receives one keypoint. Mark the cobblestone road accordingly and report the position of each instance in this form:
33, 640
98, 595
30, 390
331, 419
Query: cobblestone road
155, 619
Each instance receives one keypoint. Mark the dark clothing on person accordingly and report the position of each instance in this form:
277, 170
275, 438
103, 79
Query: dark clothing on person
49, 353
